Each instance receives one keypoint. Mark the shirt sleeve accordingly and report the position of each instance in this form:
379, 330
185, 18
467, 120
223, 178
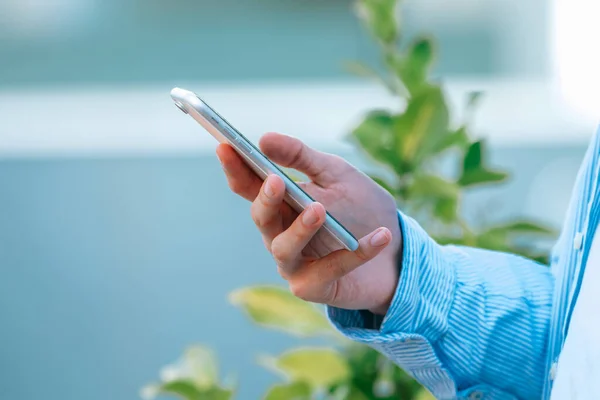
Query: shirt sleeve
464, 322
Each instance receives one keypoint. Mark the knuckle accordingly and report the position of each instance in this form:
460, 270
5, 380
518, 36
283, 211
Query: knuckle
257, 212
258, 222
298, 153
278, 252
299, 233
300, 290
234, 186
264, 200
361, 255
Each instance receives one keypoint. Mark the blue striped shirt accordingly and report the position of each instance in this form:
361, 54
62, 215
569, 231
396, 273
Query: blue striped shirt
476, 324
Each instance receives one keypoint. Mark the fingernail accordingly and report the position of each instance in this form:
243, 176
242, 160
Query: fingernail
269, 191
310, 216
379, 239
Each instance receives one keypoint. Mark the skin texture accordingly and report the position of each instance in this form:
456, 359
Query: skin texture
316, 270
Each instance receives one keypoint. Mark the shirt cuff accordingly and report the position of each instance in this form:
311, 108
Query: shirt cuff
423, 297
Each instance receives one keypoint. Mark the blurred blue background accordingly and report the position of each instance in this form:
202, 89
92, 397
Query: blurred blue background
83, 41
119, 240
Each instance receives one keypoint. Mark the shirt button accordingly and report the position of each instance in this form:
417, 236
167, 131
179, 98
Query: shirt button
577, 241
553, 371
476, 396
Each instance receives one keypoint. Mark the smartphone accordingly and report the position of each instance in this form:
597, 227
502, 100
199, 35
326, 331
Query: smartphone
220, 129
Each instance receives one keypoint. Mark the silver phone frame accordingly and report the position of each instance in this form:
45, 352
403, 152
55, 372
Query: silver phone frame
220, 129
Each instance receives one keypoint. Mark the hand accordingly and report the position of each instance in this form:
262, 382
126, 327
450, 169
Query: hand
315, 270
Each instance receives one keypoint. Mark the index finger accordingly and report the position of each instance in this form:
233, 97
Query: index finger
241, 179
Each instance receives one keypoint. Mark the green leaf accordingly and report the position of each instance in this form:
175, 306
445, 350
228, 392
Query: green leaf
500, 237
492, 240
202, 365
474, 170
433, 186
472, 159
423, 123
481, 176
424, 394
434, 190
444, 240
355, 394
198, 365
446, 209
217, 393
497, 237
458, 138
542, 258
220, 394
376, 137
188, 391
181, 388
291, 391
192, 377
363, 362
380, 17
524, 227
413, 69
277, 308
319, 367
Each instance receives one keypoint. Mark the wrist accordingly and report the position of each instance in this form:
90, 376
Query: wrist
390, 282
387, 291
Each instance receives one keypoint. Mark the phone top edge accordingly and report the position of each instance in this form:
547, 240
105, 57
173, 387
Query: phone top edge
184, 97
179, 93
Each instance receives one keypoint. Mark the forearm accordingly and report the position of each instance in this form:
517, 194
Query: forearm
462, 319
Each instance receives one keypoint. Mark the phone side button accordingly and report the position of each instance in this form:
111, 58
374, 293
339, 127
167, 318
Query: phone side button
245, 146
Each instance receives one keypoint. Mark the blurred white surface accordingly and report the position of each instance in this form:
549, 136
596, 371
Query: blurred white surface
140, 120
576, 64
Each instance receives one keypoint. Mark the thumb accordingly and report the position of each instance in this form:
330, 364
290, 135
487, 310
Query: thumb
290, 152
340, 263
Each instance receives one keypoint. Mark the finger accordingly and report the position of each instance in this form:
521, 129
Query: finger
266, 209
241, 179
340, 263
290, 152
287, 247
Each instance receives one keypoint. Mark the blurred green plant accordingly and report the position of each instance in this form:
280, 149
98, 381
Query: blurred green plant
195, 376
342, 370
411, 143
